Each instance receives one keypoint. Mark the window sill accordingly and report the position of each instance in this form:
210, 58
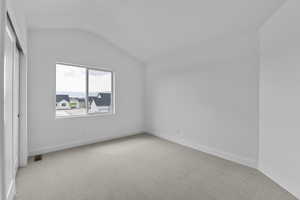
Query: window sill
86, 115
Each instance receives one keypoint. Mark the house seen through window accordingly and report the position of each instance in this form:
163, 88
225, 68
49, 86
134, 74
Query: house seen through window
83, 91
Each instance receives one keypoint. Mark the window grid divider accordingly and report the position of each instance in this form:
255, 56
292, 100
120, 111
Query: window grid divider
87, 91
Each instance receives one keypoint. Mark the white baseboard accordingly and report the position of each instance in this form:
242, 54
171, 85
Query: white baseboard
60, 147
227, 156
222, 154
216, 152
11, 193
274, 177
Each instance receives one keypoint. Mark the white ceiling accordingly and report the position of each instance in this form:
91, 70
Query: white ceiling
149, 28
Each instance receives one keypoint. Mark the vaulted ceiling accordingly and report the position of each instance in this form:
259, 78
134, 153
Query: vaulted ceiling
149, 28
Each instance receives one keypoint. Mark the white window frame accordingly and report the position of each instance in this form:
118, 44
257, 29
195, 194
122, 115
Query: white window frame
87, 113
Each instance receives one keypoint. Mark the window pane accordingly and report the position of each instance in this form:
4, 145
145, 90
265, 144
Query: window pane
100, 91
70, 90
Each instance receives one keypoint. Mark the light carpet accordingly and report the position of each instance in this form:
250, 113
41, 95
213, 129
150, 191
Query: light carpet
142, 167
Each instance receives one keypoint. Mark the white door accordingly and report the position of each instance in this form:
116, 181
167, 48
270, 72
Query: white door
16, 78
9, 137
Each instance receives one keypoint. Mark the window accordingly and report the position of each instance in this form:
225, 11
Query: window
100, 90
83, 91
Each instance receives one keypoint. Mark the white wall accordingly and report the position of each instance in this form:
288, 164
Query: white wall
206, 97
280, 97
46, 47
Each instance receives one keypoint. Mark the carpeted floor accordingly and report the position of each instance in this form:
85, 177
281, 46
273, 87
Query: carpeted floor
142, 167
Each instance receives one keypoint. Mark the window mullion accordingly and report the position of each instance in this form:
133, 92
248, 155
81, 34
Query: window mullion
87, 91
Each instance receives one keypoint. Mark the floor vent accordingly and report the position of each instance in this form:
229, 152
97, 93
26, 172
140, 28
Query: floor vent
37, 158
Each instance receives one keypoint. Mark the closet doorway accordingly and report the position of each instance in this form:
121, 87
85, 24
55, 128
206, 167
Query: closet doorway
11, 109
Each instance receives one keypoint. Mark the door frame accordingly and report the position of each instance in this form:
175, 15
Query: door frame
23, 128
9, 142
4, 20
2, 34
